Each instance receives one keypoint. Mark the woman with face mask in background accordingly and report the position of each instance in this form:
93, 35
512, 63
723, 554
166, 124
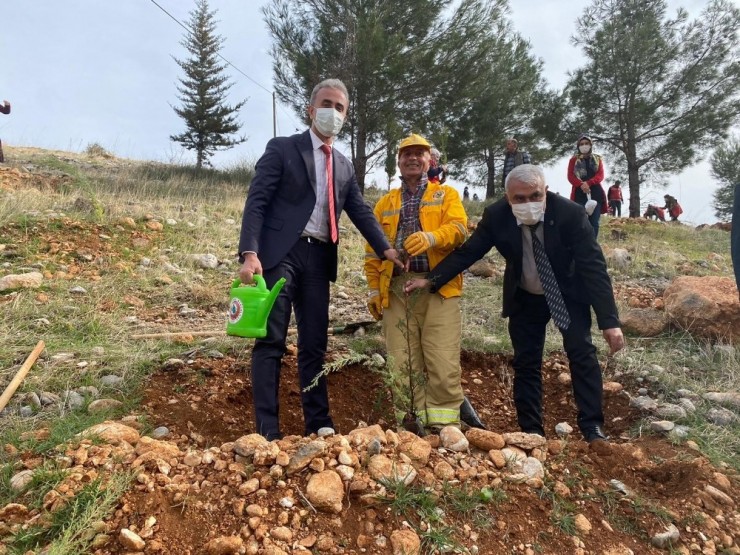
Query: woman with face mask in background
585, 173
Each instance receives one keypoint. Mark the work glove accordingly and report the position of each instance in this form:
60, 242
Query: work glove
375, 306
418, 243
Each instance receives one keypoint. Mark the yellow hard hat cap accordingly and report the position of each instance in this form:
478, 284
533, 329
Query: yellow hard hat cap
414, 140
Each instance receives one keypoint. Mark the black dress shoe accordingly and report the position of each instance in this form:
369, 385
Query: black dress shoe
594, 434
468, 415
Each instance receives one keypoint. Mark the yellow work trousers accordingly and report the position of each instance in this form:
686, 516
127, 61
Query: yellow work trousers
432, 339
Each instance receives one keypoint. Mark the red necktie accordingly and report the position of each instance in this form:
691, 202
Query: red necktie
330, 186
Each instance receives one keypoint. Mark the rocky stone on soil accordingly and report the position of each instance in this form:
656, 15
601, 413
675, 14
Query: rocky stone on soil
73, 399
103, 405
224, 545
112, 381
644, 403
305, 454
78, 290
524, 441
731, 399
705, 306
483, 268
563, 429
721, 416
21, 479
405, 542
582, 524
205, 261
112, 432
173, 364
666, 539
643, 322
414, 447
381, 467
325, 491
669, 411
485, 440
662, 426
452, 438
160, 432
30, 280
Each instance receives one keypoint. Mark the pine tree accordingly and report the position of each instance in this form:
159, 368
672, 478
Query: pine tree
655, 89
209, 121
397, 59
725, 169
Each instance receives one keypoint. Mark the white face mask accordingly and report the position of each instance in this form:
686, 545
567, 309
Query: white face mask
529, 213
585, 149
328, 121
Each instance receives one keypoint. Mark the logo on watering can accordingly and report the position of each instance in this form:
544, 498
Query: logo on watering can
236, 310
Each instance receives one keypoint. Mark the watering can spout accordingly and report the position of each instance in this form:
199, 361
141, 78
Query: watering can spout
250, 307
274, 292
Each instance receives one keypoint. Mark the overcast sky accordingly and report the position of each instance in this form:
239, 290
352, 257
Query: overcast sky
89, 71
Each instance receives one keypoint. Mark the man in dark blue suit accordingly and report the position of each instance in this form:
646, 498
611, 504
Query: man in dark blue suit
290, 230
554, 269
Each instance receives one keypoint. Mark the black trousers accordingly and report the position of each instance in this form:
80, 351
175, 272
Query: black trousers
616, 208
527, 330
306, 290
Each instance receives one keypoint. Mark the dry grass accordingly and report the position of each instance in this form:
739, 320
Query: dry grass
205, 210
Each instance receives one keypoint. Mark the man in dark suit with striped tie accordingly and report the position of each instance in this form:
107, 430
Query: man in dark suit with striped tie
554, 270
290, 230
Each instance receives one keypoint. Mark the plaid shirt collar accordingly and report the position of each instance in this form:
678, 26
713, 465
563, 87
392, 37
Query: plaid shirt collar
423, 182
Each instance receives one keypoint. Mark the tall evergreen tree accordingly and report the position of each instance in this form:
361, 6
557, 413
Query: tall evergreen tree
726, 170
654, 89
507, 99
209, 121
398, 60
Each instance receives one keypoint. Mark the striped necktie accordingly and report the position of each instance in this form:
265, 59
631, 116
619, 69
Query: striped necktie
553, 296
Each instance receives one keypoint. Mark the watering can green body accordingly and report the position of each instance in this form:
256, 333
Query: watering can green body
250, 307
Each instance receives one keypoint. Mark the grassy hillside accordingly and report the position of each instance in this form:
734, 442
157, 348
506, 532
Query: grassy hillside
120, 246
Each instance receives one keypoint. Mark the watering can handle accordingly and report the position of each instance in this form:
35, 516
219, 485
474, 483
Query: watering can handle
258, 280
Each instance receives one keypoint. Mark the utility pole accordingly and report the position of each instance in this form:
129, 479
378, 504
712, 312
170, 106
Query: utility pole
274, 116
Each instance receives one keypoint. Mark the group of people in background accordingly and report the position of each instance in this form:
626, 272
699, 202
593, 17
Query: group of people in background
417, 248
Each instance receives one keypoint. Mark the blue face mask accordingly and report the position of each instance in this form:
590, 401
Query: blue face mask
328, 121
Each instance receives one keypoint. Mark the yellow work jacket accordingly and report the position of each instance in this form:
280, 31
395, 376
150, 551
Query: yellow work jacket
440, 212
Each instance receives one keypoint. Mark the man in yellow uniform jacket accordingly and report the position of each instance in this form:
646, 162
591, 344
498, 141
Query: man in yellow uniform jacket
427, 220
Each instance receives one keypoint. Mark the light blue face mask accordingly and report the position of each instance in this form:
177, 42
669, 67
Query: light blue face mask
328, 121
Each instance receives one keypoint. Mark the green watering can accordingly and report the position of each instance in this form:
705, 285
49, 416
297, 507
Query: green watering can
250, 307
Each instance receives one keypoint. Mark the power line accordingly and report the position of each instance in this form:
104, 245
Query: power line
181, 24
268, 91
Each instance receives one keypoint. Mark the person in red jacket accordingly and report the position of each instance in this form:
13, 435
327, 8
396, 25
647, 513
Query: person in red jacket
615, 199
4, 109
585, 173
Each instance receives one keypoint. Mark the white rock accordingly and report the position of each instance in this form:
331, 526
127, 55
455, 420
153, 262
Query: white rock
662, 426
78, 290
533, 468
563, 429
21, 480
453, 439
208, 261
131, 540
663, 539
